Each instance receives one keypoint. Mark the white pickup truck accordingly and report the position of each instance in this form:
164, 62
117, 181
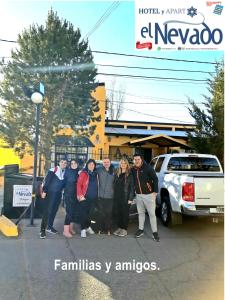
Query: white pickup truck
189, 184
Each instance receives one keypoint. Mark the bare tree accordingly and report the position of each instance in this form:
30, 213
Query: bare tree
115, 100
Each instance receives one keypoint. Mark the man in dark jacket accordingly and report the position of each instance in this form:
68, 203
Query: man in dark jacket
52, 194
105, 201
146, 188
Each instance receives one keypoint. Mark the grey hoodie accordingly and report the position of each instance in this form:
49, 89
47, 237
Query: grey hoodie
106, 180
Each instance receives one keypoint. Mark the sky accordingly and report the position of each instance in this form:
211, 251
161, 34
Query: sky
145, 100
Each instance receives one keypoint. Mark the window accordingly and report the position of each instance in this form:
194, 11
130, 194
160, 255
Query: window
161, 128
184, 129
204, 164
137, 127
159, 164
114, 126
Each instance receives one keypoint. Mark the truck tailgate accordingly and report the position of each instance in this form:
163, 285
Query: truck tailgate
209, 190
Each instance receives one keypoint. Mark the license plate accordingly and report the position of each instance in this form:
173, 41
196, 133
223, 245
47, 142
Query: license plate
219, 209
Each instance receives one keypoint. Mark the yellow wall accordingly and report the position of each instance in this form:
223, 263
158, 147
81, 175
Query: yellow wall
114, 151
27, 163
7, 155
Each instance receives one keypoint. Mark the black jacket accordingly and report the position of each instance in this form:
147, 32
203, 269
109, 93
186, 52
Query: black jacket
145, 179
52, 183
71, 176
128, 186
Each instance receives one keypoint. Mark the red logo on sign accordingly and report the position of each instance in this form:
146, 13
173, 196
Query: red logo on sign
144, 45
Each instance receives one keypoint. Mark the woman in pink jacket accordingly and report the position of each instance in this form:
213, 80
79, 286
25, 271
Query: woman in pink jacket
87, 195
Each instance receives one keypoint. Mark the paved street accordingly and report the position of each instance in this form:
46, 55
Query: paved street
190, 259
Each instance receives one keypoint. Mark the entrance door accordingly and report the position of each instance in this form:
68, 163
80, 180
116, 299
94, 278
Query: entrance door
71, 152
147, 155
80, 157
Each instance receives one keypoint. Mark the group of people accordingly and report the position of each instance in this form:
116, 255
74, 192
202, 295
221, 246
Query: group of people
101, 196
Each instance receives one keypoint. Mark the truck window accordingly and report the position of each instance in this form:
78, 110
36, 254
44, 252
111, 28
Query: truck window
204, 164
159, 164
153, 161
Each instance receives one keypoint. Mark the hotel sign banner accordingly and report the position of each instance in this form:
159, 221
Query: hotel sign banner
179, 25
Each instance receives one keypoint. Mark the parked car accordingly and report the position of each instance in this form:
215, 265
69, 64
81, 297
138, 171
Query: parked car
115, 163
189, 184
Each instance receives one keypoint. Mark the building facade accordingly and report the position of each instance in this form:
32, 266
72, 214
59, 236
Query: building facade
116, 138
112, 138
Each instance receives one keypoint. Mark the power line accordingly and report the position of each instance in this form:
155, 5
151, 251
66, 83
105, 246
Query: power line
152, 82
143, 68
7, 41
106, 14
189, 80
159, 117
147, 103
152, 77
154, 57
145, 97
67, 94
169, 100
138, 56
148, 68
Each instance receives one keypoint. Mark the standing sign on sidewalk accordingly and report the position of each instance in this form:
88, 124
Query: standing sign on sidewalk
22, 195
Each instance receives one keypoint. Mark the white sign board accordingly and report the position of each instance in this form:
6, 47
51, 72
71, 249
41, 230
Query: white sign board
179, 25
22, 195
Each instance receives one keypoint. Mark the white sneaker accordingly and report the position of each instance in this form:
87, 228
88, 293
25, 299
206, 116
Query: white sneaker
83, 233
122, 232
117, 231
90, 231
